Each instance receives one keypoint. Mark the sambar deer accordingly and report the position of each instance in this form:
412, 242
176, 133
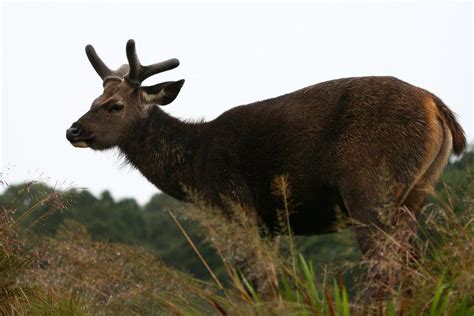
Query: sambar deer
349, 146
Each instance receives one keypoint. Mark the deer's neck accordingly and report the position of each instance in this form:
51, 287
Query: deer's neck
162, 149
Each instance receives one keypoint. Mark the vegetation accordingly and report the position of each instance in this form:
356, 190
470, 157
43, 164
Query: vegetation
149, 226
69, 252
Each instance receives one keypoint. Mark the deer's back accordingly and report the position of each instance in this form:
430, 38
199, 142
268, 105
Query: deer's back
318, 135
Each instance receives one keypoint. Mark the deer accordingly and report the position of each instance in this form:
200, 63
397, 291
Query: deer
348, 147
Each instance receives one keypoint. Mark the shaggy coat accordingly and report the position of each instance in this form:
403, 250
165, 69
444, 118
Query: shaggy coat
338, 143
348, 147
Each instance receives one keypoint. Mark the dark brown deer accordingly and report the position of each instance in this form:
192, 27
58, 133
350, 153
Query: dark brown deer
348, 146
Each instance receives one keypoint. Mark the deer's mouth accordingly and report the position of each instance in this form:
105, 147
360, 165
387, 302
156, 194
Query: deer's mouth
80, 144
90, 142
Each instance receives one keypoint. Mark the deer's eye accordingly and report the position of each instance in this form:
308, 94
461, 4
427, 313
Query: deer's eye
115, 107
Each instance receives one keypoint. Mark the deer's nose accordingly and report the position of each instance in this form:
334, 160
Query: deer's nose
73, 132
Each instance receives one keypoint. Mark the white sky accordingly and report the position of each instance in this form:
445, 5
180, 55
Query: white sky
230, 54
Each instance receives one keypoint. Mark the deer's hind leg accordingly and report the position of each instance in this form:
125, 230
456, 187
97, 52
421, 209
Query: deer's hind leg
370, 209
412, 202
385, 213
424, 186
415, 198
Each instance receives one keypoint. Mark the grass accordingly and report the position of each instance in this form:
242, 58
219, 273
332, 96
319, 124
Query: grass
15, 259
71, 274
439, 282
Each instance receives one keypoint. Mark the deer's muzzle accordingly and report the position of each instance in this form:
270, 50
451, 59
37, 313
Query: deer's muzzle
77, 135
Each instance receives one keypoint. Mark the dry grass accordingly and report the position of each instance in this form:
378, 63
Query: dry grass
71, 274
437, 281
109, 277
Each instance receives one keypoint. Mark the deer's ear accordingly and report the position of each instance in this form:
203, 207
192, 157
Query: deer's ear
163, 93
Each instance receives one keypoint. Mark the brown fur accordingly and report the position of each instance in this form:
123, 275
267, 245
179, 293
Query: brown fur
356, 136
356, 145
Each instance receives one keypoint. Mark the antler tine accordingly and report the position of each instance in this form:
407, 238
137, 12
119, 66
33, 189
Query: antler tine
135, 66
166, 65
138, 73
97, 63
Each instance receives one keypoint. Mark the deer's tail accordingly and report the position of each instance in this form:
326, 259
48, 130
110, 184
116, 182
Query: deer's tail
459, 138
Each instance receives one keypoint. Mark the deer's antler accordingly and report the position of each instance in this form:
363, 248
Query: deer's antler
138, 73
101, 68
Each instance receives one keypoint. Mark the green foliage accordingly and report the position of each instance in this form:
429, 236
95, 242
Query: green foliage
88, 260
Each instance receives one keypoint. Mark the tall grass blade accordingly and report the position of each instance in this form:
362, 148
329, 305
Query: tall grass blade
310, 281
198, 253
437, 297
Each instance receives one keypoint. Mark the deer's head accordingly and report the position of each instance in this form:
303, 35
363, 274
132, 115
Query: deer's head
123, 101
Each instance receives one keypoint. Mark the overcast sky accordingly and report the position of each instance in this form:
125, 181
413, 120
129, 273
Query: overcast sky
230, 55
